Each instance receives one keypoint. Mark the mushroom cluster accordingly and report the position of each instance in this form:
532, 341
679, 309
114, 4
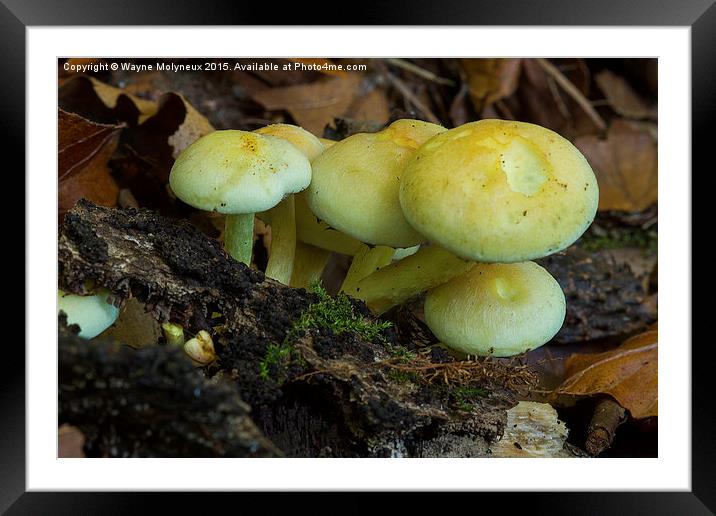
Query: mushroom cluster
456, 213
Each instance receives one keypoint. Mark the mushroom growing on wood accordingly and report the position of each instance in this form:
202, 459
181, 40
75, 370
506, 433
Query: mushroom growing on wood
496, 309
282, 217
355, 188
309, 228
239, 173
93, 313
355, 183
489, 191
499, 191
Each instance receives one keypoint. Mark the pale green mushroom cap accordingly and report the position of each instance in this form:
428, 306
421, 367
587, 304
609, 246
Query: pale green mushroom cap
92, 313
355, 183
497, 309
499, 191
236, 172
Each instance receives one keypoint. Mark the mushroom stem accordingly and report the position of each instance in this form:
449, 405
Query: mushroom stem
404, 252
311, 230
401, 280
365, 262
308, 265
283, 241
239, 236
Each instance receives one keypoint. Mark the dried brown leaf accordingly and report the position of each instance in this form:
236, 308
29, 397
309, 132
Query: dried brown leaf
84, 148
490, 80
373, 106
313, 105
101, 102
625, 164
459, 113
628, 373
538, 100
622, 97
150, 148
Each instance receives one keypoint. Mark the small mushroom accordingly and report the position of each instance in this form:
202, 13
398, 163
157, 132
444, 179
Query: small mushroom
93, 313
239, 173
496, 309
173, 334
282, 217
201, 349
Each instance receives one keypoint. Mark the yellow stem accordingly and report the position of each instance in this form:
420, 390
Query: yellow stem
283, 241
365, 262
308, 265
396, 283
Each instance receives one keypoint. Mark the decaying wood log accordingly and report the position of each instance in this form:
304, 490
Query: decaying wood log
604, 299
533, 430
323, 393
151, 403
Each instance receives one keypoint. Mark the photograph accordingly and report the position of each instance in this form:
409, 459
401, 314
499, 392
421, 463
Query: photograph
357, 257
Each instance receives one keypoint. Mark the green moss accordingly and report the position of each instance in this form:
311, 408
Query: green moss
333, 313
615, 239
464, 396
402, 353
336, 314
402, 376
276, 355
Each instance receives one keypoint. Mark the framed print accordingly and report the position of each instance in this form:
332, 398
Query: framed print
414, 256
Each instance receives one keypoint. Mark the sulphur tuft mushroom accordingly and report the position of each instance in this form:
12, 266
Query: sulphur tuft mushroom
496, 309
356, 181
238, 173
499, 191
355, 187
201, 349
282, 217
92, 313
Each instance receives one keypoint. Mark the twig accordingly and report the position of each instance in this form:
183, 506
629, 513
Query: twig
410, 97
504, 110
608, 415
573, 92
558, 98
421, 72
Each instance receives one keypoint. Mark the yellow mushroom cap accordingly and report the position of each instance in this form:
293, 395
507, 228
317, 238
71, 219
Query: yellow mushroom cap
356, 181
327, 143
92, 313
499, 191
236, 172
497, 309
304, 141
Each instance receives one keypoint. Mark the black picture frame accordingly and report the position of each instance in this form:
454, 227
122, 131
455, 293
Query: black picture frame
700, 15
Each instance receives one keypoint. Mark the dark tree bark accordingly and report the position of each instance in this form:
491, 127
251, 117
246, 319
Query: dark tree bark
151, 403
605, 300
